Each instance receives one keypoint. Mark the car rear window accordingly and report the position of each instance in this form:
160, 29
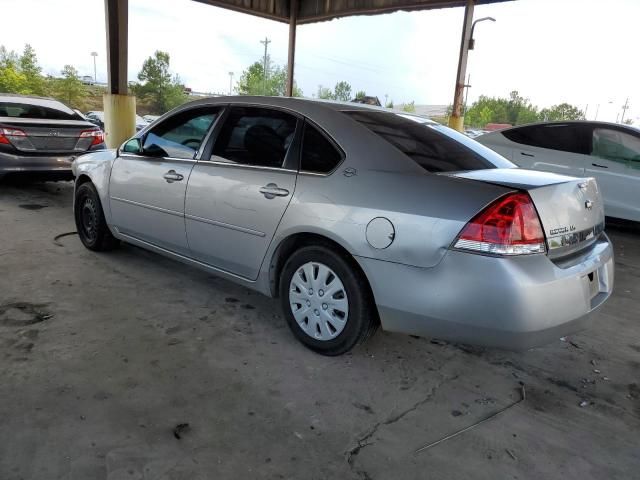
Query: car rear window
52, 111
429, 146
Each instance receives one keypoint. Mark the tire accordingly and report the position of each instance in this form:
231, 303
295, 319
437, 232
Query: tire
90, 223
317, 320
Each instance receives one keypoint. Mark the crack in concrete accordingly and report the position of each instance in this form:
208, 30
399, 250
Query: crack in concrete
361, 442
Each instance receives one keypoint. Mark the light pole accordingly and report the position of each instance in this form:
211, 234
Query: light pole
472, 42
230, 81
94, 55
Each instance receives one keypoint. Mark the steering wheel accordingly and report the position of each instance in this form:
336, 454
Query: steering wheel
195, 143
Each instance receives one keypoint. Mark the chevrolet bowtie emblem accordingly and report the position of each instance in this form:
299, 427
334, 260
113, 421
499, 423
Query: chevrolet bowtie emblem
588, 204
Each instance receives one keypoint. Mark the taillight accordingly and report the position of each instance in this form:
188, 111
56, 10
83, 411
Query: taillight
10, 132
508, 226
96, 135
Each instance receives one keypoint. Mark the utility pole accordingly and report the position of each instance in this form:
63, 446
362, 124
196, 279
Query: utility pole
265, 73
597, 110
625, 107
466, 95
94, 55
230, 81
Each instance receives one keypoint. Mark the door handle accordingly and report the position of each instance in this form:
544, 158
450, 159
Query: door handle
527, 154
599, 166
171, 176
271, 190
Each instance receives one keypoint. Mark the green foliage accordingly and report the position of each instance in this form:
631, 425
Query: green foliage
389, 104
324, 93
29, 67
21, 74
342, 91
563, 111
360, 94
69, 89
409, 107
628, 121
158, 88
253, 81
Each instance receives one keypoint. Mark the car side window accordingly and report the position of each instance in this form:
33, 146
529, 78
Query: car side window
319, 154
616, 145
180, 135
255, 136
564, 137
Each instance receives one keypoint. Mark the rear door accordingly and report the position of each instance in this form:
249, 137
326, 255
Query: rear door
615, 163
147, 187
554, 147
241, 187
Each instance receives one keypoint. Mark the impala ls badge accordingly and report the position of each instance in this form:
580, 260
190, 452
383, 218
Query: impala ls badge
588, 204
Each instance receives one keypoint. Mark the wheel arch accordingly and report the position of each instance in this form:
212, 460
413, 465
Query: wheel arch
295, 241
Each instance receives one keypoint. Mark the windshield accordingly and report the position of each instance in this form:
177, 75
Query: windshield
51, 111
434, 147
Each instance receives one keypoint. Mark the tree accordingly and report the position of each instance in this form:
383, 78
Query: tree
159, 88
12, 79
563, 111
409, 107
628, 121
70, 88
360, 94
389, 104
325, 93
253, 81
342, 91
29, 67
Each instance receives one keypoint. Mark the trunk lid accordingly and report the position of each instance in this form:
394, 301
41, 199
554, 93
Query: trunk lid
571, 209
48, 136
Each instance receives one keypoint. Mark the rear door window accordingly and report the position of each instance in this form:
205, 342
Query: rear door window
433, 150
255, 136
572, 138
180, 135
319, 154
616, 145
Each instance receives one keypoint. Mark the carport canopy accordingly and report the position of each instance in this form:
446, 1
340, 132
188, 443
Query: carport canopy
119, 112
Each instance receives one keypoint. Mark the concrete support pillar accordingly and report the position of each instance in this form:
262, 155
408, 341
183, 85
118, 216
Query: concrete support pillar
119, 107
456, 120
293, 20
119, 118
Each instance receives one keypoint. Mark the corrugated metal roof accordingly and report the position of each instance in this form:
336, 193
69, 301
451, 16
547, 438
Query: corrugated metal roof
318, 10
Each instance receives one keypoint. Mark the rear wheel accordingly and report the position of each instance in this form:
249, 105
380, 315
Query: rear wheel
326, 301
92, 227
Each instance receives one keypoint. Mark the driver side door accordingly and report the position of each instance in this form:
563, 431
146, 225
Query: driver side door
148, 184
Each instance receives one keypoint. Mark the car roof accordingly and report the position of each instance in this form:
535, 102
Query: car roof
304, 106
598, 123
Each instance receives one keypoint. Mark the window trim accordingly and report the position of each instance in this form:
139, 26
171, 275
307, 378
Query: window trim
142, 134
585, 141
293, 153
325, 134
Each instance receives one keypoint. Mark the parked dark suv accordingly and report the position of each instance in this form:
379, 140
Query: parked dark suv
42, 135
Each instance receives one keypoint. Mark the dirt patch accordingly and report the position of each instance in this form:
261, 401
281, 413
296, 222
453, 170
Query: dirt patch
22, 314
32, 206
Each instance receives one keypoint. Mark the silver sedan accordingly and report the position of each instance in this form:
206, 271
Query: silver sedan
355, 217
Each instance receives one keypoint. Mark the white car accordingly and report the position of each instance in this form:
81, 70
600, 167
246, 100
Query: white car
609, 152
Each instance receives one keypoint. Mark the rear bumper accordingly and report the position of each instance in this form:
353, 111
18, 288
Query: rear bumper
14, 163
513, 303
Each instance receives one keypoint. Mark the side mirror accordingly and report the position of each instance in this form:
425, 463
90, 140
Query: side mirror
133, 146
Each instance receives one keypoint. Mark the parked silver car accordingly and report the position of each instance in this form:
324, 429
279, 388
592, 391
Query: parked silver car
608, 152
354, 216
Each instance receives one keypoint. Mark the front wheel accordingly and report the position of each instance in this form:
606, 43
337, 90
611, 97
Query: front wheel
92, 227
326, 300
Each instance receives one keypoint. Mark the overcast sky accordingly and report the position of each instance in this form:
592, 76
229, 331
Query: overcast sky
583, 52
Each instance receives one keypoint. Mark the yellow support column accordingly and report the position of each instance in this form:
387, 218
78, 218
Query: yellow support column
456, 120
119, 118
